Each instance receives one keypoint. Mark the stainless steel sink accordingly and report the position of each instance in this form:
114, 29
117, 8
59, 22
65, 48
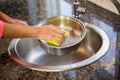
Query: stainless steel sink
28, 53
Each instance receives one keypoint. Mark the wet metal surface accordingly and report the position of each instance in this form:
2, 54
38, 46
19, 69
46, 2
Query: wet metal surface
29, 53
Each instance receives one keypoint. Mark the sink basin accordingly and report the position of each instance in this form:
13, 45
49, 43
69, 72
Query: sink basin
27, 52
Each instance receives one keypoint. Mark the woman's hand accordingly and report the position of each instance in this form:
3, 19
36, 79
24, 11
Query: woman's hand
49, 32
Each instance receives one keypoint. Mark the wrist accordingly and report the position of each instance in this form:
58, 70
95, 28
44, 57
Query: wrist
35, 32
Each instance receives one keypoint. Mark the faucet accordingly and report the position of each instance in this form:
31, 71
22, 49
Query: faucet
77, 9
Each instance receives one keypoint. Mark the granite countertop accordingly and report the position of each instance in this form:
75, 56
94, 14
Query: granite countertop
33, 11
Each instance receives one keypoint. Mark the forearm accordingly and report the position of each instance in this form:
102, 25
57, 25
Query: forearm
47, 32
18, 31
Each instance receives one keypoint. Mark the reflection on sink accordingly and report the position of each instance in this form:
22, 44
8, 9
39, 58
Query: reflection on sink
28, 53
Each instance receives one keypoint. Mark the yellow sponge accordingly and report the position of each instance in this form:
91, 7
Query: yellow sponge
54, 43
66, 34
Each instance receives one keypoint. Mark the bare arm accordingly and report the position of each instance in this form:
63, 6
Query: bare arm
48, 32
17, 31
14, 28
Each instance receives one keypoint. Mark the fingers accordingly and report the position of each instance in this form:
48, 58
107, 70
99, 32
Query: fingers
18, 22
55, 37
57, 30
50, 32
23, 23
58, 35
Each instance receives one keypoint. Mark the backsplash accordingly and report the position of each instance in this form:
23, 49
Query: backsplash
106, 4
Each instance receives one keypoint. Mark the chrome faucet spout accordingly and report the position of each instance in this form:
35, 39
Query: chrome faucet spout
76, 5
77, 9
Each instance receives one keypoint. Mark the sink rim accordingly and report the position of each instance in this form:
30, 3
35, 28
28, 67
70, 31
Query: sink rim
101, 52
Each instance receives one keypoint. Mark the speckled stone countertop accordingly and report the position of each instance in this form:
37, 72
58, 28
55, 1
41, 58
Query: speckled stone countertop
33, 11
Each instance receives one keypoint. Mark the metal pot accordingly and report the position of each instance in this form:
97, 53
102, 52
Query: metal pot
76, 30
